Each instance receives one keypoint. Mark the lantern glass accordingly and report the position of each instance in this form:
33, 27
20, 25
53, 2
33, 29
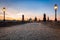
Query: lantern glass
55, 7
3, 9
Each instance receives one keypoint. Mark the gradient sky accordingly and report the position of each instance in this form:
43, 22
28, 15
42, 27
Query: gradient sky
30, 8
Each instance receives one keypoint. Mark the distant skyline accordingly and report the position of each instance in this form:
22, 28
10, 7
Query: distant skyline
30, 8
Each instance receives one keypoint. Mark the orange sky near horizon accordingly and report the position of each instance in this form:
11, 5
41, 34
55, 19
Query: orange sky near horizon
26, 18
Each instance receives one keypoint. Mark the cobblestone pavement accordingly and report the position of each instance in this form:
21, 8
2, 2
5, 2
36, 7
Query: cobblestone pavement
30, 31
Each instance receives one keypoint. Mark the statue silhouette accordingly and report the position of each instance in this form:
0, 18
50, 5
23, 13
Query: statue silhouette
35, 19
23, 18
44, 17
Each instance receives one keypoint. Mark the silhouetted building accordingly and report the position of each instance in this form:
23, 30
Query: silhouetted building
35, 19
48, 19
44, 17
22, 17
30, 20
39, 20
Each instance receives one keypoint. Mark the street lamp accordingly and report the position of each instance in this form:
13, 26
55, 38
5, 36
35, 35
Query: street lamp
4, 9
55, 8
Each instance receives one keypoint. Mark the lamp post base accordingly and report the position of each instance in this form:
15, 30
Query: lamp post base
55, 19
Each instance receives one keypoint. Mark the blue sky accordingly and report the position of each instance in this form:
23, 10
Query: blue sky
30, 8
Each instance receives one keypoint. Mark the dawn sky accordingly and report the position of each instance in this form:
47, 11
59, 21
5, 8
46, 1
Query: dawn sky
30, 8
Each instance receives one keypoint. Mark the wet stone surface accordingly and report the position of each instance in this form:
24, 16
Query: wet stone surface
30, 31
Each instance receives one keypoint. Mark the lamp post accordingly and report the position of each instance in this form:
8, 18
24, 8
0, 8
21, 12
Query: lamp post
4, 9
55, 8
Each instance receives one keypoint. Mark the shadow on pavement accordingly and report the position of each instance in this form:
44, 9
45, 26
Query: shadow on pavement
55, 25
